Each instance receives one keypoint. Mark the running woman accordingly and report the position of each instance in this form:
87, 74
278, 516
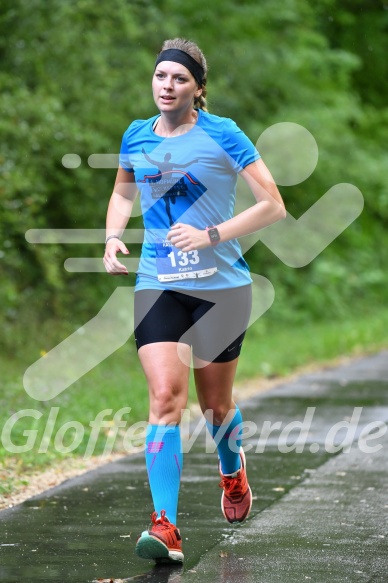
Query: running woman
193, 287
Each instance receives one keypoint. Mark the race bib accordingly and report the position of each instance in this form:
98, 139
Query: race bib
173, 264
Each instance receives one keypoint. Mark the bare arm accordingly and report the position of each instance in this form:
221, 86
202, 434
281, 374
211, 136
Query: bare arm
119, 211
268, 209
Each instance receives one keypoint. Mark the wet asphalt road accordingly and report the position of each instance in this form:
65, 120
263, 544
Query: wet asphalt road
320, 489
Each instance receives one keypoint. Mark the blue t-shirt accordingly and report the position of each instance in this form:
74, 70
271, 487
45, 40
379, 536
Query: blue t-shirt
190, 178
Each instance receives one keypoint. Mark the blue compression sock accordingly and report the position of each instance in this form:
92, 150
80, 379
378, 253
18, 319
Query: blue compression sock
164, 460
229, 434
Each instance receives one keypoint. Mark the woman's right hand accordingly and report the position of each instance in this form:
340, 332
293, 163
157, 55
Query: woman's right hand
112, 264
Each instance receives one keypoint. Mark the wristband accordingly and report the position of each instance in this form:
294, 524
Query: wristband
112, 237
214, 235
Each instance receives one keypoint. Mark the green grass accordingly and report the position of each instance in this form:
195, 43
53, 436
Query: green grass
272, 349
277, 349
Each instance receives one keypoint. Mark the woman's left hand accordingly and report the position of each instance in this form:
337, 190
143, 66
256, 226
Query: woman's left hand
188, 238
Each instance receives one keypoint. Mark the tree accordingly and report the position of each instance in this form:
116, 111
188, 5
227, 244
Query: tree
76, 73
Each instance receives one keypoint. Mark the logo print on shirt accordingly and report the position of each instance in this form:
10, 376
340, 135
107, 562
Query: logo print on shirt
164, 183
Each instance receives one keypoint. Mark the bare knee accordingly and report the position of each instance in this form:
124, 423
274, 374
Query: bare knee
219, 413
166, 404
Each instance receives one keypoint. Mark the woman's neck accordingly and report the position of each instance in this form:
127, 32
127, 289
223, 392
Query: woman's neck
174, 125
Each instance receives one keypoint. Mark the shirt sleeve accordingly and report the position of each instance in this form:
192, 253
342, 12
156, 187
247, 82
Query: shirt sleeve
238, 146
124, 159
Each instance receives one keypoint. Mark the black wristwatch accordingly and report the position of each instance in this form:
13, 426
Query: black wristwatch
214, 235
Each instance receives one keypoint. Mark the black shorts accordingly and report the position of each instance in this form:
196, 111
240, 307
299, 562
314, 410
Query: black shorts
213, 322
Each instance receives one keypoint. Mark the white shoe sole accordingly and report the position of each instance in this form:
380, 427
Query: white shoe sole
149, 547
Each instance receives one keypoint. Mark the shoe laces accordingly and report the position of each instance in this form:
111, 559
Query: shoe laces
233, 486
161, 523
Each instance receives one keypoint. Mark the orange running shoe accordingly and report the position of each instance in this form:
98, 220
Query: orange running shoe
236, 500
162, 542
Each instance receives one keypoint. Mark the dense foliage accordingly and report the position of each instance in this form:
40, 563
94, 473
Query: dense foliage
75, 73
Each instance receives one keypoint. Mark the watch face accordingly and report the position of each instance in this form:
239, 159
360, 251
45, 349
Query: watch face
214, 235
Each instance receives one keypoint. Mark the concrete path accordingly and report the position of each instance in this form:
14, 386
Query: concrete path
317, 459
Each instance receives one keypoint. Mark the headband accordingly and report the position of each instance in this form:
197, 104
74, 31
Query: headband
184, 59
